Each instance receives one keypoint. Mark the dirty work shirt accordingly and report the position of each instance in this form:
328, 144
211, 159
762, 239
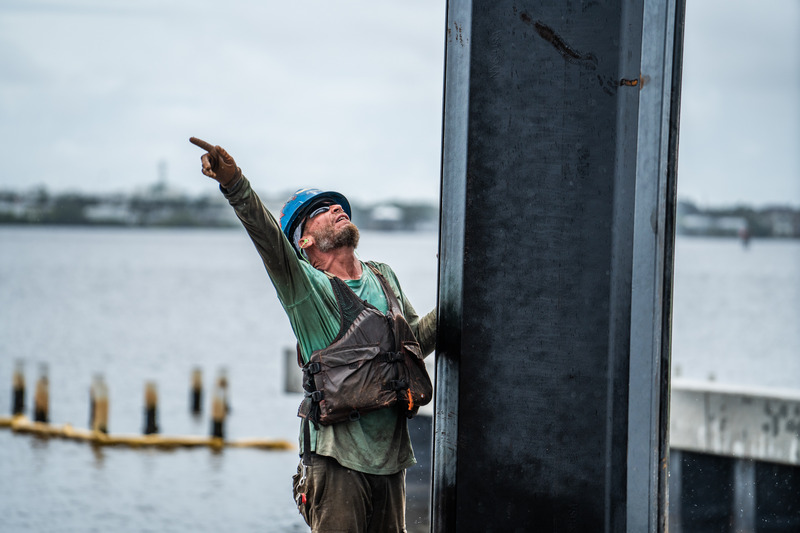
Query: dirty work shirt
377, 443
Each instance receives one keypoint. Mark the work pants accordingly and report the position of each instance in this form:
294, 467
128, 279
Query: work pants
335, 499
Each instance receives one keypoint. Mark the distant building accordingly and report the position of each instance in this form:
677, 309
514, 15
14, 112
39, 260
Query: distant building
702, 224
737, 221
386, 217
784, 221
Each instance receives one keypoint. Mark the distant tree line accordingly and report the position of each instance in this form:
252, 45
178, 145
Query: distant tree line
740, 220
158, 206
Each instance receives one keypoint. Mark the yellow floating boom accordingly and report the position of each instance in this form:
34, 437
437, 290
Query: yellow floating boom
21, 424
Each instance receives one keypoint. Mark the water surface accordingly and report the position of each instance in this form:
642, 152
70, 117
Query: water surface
139, 305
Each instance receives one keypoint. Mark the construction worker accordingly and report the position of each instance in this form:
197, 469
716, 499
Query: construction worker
360, 343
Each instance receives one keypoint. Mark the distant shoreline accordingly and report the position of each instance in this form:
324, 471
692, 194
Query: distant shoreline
160, 207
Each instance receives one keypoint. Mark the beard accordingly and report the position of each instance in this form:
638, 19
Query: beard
328, 239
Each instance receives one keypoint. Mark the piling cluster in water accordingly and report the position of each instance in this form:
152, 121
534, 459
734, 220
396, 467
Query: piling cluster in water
99, 409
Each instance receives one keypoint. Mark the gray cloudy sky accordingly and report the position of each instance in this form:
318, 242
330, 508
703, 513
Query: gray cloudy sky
740, 112
347, 94
95, 94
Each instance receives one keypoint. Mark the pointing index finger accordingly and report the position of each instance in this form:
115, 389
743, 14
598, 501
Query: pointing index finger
202, 144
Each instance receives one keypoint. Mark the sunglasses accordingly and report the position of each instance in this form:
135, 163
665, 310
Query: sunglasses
324, 208
318, 211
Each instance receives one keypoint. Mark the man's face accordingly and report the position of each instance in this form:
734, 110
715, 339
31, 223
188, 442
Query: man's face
331, 229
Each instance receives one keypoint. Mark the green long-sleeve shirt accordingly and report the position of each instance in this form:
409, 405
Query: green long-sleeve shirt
378, 443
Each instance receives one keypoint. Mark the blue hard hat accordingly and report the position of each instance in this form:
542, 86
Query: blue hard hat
302, 202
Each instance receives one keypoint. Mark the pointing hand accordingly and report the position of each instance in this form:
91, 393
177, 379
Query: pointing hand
217, 163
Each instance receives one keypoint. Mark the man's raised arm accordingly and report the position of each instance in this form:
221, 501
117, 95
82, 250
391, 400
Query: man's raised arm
278, 256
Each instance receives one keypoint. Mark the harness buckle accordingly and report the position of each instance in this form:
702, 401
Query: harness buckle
316, 396
397, 384
303, 476
393, 357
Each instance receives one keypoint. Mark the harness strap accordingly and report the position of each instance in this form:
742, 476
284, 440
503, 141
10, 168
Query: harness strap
306, 456
391, 297
350, 306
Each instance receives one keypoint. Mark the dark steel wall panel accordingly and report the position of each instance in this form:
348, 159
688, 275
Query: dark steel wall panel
540, 150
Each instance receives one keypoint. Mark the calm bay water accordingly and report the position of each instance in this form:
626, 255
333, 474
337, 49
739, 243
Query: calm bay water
736, 312
138, 305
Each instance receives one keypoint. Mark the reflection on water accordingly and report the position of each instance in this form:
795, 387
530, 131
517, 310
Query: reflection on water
99, 456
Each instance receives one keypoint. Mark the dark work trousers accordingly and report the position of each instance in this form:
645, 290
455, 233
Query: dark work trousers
335, 499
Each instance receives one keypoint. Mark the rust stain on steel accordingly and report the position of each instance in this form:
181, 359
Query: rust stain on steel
547, 33
459, 37
567, 52
628, 83
587, 61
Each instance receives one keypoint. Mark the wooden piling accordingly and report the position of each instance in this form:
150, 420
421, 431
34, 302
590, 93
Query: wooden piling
99, 420
222, 386
150, 408
218, 411
196, 392
93, 398
18, 390
41, 397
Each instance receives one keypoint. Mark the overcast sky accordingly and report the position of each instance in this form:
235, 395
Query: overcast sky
95, 95
740, 111
345, 94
